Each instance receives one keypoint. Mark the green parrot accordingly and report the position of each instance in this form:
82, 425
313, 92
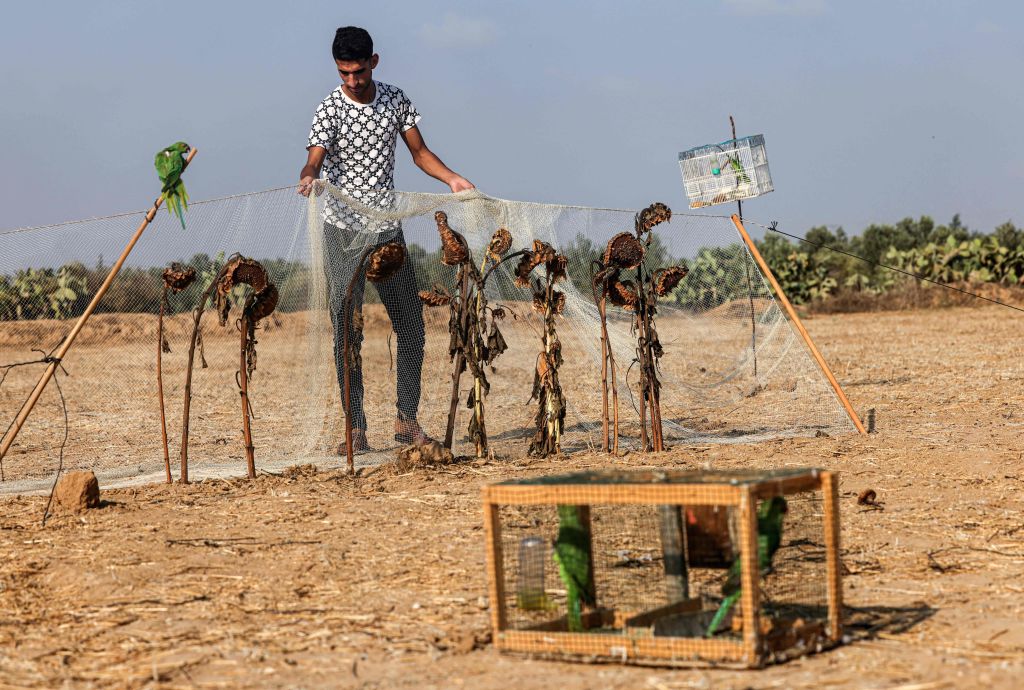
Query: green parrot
734, 162
169, 164
769, 538
572, 554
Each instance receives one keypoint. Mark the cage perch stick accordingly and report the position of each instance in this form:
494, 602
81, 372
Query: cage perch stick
799, 325
65, 345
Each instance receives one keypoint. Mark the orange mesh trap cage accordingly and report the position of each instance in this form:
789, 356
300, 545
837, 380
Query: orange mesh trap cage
673, 568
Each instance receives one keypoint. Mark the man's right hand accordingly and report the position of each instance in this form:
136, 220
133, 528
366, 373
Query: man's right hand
306, 185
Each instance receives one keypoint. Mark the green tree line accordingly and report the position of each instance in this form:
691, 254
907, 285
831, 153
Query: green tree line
948, 253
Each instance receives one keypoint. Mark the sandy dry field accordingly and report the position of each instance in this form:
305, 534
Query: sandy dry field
308, 578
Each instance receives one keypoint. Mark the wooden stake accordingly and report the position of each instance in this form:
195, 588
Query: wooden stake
65, 345
197, 317
160, 382
243, 385
799, 325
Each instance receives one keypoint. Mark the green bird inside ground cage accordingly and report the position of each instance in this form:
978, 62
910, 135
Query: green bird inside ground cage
169, 164
572, 554
769, 537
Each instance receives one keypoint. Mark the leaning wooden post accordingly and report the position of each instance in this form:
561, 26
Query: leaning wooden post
796, 322
65, 345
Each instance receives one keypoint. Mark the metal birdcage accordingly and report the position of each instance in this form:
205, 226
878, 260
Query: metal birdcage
669, 567
730, 171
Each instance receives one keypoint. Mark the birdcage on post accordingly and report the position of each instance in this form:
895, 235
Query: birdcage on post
731, 171
675, 568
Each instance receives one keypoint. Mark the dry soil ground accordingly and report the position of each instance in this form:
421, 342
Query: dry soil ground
316, 579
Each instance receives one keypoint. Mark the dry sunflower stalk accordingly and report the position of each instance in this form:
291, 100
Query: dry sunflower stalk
549, 302
474, 339
626, 251
377, 264
176, 278
259, 301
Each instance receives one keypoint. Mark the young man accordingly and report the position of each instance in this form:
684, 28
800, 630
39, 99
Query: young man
353, 140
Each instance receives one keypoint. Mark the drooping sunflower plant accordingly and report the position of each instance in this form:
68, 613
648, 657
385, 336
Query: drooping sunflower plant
639, 295
549, 303
474, 338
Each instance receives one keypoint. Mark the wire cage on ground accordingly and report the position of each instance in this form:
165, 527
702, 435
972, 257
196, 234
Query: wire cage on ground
666, 567
733, 170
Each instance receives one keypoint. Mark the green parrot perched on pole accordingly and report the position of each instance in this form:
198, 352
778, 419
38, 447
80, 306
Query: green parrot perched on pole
572, 554
169, 164
769, 537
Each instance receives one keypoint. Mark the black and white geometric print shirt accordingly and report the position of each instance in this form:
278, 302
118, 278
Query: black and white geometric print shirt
360, 140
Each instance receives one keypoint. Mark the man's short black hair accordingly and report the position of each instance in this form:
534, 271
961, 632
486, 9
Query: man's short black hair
352, 43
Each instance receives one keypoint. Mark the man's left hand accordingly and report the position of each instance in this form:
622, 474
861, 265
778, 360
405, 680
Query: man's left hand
460, 184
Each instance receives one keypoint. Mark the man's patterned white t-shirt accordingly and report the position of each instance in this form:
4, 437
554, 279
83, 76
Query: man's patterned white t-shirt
360, 140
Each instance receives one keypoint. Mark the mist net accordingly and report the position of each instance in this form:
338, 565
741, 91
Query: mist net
733, 370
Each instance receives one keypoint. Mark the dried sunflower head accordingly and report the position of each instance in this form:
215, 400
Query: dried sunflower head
666, 279
264, 302
455, 251
242, 271
652, 215
557, 306
557, 267
526, 264
501, 241
385, 261
622, 293
543, 252
435, 297
559, 298
624, 251
178, 277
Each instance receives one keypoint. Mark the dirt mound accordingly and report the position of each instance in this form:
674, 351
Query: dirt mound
76, 492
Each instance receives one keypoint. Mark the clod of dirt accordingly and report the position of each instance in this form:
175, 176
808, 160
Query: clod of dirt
428, 455
868, 497
76, 491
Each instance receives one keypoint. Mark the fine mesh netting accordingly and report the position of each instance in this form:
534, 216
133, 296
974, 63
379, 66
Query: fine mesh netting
733, 368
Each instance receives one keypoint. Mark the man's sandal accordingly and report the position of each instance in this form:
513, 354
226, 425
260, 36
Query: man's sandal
409, 431
359, 443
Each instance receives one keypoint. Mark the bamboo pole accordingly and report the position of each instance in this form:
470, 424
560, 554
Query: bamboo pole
799, 325
65, 345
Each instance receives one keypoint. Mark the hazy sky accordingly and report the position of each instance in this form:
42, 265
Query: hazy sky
871, 110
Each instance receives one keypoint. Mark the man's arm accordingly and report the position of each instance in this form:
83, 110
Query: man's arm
428, 162
311, 171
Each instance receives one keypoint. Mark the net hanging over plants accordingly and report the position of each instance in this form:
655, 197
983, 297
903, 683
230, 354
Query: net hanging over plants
733, 368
